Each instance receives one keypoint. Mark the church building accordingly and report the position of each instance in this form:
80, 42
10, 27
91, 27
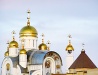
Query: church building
29, 58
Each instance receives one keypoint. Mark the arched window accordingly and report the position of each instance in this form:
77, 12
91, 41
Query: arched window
7, 69
7, 66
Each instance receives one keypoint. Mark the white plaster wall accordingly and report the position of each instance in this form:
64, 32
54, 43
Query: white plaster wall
38, 72
29, 43
18, 70
5, 61
23, 60
69, 60
34, 67
14, 71
13, 52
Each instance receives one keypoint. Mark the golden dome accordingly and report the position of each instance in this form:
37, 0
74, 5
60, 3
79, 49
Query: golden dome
42, 46
6, 53
69, 47
13, 44
28, 31
23, 51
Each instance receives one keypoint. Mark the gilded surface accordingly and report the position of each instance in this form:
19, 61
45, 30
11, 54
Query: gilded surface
28, 31
23, 51
6, 53
69, 47
42, 46
13, 44
7, 66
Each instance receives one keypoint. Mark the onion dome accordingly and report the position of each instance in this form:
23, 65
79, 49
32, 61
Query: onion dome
42, 46
28, 30
69, 46
6, 53
13, 44
23, 51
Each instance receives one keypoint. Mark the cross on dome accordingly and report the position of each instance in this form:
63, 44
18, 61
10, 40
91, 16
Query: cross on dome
28, 22
13, 34
43, 37
69, 36
7, 42
48, 44
22, 42
83, 46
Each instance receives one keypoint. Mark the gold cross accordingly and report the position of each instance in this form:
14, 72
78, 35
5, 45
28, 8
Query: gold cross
28, 14
69, 36
13, 32
42, 35
48, 42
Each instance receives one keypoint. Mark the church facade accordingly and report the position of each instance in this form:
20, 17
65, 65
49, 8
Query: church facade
27, 58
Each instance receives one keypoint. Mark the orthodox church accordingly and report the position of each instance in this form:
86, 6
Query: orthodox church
27, 58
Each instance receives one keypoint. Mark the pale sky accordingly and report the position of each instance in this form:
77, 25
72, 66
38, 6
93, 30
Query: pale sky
56, 19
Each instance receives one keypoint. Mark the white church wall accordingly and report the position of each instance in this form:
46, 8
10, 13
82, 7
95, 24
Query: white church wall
14, 71
35, 67
69, 60
24, 73
29, 43
4, 67
23, 60
18, 70
13, 52
38, 72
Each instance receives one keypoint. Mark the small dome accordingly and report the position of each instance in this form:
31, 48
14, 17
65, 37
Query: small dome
23, 51
13, 44
69, 47
42, 46
28, 31
6, 53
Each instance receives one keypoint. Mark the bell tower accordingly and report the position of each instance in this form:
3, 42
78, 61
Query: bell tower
69, 54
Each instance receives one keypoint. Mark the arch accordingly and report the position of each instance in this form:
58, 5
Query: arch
50, 69
38, 72
5, 63
56, 54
